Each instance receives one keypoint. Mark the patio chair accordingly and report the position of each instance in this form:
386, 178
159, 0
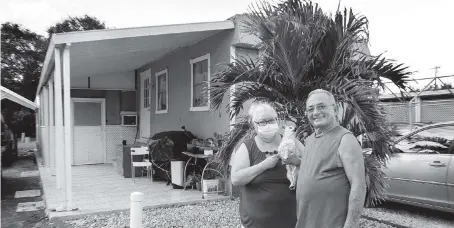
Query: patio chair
145, 163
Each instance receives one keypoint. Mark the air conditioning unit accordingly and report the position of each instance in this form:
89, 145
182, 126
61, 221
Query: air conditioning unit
128, 118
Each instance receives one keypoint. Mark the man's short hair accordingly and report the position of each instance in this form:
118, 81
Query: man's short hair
330, 95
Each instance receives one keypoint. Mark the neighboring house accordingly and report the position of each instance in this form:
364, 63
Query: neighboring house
429, 106
9, 139
97, 86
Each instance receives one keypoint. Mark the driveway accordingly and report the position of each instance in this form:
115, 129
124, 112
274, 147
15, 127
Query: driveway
22, 203
410, 216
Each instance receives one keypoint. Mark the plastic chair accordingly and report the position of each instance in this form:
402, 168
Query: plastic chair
144, 152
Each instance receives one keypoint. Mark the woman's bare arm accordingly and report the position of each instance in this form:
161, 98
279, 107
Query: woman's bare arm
242, 173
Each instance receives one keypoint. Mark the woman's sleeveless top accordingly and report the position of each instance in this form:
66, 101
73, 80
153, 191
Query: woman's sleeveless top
267, 201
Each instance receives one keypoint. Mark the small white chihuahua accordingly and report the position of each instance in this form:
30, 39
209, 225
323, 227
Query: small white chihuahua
288, 146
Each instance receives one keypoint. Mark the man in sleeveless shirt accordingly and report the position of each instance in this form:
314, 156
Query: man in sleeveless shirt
331, 186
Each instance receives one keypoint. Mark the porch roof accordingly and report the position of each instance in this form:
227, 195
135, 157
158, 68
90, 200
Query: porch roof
10, 95
103, 52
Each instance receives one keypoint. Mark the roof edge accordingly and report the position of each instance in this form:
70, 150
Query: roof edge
120, 33
47, 65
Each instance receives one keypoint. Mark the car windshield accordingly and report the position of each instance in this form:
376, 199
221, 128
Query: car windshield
435, 140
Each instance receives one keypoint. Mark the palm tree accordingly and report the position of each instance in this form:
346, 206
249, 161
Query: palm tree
305, 49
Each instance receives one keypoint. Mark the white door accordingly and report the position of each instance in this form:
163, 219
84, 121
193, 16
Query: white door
145, 107
89, 135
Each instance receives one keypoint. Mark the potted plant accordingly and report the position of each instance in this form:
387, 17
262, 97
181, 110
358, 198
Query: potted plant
210, 182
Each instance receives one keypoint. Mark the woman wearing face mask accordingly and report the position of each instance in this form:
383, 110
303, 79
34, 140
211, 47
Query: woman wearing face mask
265, 199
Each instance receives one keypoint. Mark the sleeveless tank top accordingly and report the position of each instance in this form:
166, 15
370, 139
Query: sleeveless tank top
322, 187
266, 201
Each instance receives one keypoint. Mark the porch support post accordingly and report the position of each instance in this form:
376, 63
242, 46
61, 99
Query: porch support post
68, 125
229, 187
232, 88
38, 125
417, 109
51, 127
38, 143
46, 126
59, 146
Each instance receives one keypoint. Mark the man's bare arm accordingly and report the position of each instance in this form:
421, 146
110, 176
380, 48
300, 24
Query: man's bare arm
353, 162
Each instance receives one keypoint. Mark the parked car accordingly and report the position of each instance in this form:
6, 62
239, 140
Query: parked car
421, 171
9, 145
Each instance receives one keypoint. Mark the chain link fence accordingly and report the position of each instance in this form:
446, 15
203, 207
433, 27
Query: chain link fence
437, 110
425, 111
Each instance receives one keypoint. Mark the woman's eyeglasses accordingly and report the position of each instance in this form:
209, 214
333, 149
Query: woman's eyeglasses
266, 122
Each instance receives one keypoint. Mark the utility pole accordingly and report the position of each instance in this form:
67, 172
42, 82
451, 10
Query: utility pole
435, 77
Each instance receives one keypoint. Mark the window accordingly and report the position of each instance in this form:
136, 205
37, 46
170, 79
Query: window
146, 93
162, 95
436, 140
200, 83
128, 118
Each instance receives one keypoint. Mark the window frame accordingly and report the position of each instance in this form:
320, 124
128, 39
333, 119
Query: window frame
207, 107
124, 113
157, 75
146, 92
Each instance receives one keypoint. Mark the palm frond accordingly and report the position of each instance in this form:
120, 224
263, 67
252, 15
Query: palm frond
375, 181
241, 131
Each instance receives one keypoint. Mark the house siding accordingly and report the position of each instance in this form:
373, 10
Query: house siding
202, 124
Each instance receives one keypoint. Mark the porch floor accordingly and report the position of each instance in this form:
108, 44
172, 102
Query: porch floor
99, 188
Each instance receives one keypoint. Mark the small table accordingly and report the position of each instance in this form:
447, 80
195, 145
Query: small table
194, 157
209, 161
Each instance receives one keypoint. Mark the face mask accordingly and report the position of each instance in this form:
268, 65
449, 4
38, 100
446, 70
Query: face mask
268, 131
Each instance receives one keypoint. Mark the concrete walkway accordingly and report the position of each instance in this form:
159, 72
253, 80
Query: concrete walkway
99, 188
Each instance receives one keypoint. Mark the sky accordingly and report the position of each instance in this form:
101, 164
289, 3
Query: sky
417, 33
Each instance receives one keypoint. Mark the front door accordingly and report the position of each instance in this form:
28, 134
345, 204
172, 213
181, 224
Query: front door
145, 107
89, 135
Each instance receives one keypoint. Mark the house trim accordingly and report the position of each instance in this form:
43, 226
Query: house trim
192, 62
95, 35
12, 96
162, 72
96, 89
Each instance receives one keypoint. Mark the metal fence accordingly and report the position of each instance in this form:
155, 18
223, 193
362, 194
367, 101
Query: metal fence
425, 111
